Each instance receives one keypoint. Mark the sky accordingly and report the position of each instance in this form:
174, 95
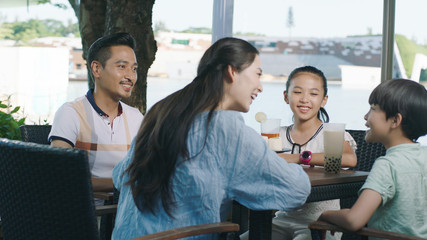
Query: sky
312, 18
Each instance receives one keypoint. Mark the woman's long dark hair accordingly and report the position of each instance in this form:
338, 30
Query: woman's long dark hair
322, 115
162, 137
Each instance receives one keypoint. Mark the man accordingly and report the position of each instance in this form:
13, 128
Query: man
99, 122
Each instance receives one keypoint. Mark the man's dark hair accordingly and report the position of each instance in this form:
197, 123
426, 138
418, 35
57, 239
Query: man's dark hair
100, 49
406, 97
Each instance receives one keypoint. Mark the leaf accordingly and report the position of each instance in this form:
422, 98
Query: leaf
16, 109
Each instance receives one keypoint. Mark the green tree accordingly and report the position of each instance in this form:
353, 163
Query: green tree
203, 30
5, 32
408, 49
98, 18
160, 26
34, 28
71, 29
25, 35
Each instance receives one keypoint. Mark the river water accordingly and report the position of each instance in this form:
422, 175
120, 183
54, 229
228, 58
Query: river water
344, 105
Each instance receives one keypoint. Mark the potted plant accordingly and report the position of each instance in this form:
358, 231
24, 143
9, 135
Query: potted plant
9, 124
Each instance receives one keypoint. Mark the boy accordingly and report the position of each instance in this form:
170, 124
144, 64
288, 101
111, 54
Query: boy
394, 197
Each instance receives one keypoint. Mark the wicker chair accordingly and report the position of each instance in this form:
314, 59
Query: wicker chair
365, 232
35, 133
177, 233
366, 152
39, 134
45, 192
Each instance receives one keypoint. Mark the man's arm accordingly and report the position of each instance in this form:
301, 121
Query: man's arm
60, 143
102, 184
358, 216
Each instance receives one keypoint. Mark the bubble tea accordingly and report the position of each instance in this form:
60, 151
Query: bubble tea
333, 140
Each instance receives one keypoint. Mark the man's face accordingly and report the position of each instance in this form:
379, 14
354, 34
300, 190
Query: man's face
117, 78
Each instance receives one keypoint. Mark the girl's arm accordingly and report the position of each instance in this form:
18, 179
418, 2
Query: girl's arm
358, 216
349, 158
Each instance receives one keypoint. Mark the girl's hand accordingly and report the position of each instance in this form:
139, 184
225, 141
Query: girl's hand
290, 158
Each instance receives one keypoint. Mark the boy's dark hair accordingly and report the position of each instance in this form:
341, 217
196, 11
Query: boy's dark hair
406, 97
100, 49
322, 114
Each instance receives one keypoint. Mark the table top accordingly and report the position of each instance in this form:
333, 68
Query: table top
318, 176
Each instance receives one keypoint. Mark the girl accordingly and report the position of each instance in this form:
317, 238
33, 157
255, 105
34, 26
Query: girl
307, 93
194, 155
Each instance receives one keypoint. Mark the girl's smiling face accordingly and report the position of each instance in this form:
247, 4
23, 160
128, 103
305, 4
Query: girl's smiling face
305, 96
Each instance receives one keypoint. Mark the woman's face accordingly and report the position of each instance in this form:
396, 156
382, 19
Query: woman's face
243, 88
305, 96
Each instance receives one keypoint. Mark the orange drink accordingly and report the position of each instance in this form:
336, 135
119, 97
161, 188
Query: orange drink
270, 135
270, 128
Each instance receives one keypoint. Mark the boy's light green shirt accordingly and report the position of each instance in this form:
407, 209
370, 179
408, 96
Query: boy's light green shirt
401, 178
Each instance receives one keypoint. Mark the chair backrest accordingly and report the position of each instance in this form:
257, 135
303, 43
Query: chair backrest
366, 152
195, 230
35, 133
45, 192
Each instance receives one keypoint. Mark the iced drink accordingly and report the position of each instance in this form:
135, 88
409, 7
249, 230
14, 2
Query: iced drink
333, 139
270, 128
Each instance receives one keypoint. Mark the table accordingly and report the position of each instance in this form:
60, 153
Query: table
327, 186
324, 186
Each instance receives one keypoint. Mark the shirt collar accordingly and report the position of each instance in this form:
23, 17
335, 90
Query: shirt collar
91, 99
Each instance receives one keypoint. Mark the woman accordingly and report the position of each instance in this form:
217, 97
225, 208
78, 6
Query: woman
194, 155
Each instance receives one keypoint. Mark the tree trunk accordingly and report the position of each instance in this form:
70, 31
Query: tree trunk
102, 17
135, 17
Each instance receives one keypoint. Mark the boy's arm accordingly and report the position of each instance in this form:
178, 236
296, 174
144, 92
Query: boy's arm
358, 216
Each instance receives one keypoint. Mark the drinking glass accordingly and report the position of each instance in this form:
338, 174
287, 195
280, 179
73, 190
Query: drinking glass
270, 128
333, 140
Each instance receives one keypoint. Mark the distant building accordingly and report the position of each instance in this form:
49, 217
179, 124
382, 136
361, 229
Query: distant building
279, 55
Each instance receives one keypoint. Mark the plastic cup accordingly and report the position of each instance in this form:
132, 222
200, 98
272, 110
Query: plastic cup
333, 140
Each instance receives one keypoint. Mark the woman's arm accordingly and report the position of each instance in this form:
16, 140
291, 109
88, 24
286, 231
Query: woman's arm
349, 158
358, 216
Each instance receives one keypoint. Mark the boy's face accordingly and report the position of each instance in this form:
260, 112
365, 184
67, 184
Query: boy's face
378, 125
117, 78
